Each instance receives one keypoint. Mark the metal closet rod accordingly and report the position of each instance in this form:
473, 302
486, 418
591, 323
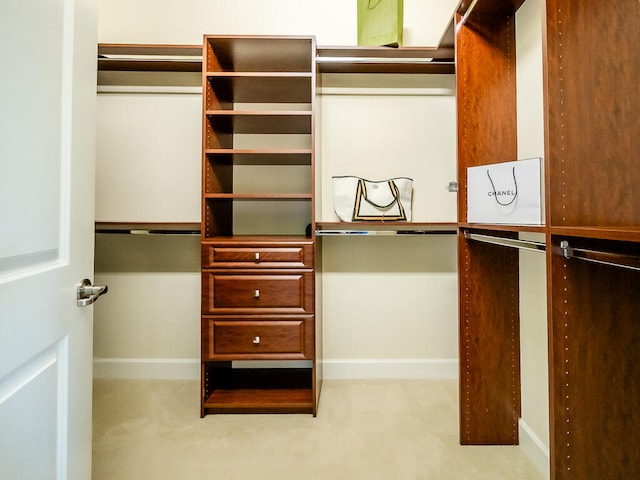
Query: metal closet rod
145, 231
506, 242
629, 262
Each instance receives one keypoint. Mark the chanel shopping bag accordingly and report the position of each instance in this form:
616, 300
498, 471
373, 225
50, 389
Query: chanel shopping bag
506, 193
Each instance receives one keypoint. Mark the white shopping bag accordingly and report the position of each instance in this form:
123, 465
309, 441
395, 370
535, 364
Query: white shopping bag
506, 193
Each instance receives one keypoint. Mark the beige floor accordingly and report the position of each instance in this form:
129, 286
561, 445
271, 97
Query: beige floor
370, 430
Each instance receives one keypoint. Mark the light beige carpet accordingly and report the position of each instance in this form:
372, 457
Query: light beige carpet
396, 430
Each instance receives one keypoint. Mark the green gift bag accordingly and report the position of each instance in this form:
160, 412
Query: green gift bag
380, 22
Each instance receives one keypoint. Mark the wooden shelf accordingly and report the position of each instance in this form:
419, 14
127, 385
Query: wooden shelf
631, 234
258, 390
148, 228
244, 87
149, 57
283, 156
257, 196
261, 122
330, 59
504, 228
260, 401
252, 240
385, 60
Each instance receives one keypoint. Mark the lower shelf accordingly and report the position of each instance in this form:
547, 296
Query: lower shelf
256, 390
260, 401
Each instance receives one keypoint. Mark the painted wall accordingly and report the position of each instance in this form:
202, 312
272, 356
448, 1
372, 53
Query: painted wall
390, 304
534, 424
333, 22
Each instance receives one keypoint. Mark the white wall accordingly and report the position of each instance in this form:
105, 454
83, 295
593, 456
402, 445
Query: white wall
390, 304
534, 424
333, 22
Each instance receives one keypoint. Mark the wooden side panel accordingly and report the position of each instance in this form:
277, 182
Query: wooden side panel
489, 315
592, 113
486, 91
594, 333
489, 344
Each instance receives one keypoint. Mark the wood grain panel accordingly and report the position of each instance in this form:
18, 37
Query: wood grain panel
594, 333
489, 344
486, 90
592, 113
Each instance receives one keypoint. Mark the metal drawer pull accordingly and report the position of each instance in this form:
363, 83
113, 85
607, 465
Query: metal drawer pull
257, 256
256, 341
256, 294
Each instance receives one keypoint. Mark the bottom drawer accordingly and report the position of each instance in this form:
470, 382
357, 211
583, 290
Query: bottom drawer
226, 339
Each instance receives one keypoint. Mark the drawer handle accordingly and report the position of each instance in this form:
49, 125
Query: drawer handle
256, 294
257, 257
256, 341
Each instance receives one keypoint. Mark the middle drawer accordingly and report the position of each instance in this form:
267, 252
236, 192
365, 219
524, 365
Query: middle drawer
257, 293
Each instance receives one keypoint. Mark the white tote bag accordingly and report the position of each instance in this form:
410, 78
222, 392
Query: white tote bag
356, 199
506, 193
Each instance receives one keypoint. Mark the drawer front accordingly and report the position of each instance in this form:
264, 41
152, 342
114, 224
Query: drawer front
256, 339
217, 256
228, 293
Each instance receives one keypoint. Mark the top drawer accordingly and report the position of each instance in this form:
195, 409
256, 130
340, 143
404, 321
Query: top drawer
230, 256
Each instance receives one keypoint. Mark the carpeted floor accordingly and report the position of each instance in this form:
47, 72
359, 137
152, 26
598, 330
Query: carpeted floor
380, 429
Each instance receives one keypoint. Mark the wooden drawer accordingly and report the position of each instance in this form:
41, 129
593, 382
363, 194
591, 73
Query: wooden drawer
251, 338
226, 256
291, 293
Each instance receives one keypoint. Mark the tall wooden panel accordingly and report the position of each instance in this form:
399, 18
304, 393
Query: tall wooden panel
592, 151
489, 317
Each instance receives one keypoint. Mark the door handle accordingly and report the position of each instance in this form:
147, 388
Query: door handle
88, 294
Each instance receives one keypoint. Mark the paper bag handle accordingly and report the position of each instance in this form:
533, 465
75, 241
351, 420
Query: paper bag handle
513, 171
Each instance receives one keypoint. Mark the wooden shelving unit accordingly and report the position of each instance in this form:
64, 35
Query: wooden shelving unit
258, 286
591, 105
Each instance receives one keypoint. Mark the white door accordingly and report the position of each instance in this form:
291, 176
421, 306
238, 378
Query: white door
47, 130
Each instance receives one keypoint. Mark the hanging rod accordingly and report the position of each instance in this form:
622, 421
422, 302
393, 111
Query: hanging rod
178, 228
148, 232
604, 258
418, 60
506, 242
325, 233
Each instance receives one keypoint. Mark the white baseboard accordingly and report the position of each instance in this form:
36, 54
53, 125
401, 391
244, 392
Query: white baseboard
147, 368
189, 369
534, 448
431, 368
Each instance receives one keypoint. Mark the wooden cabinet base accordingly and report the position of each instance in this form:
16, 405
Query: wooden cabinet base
257, 390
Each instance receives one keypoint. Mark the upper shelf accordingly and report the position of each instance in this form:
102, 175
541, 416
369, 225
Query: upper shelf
385, 60
188, 58
149, 58
172, 228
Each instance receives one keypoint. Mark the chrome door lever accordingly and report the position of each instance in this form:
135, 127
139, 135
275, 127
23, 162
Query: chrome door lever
88, 294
